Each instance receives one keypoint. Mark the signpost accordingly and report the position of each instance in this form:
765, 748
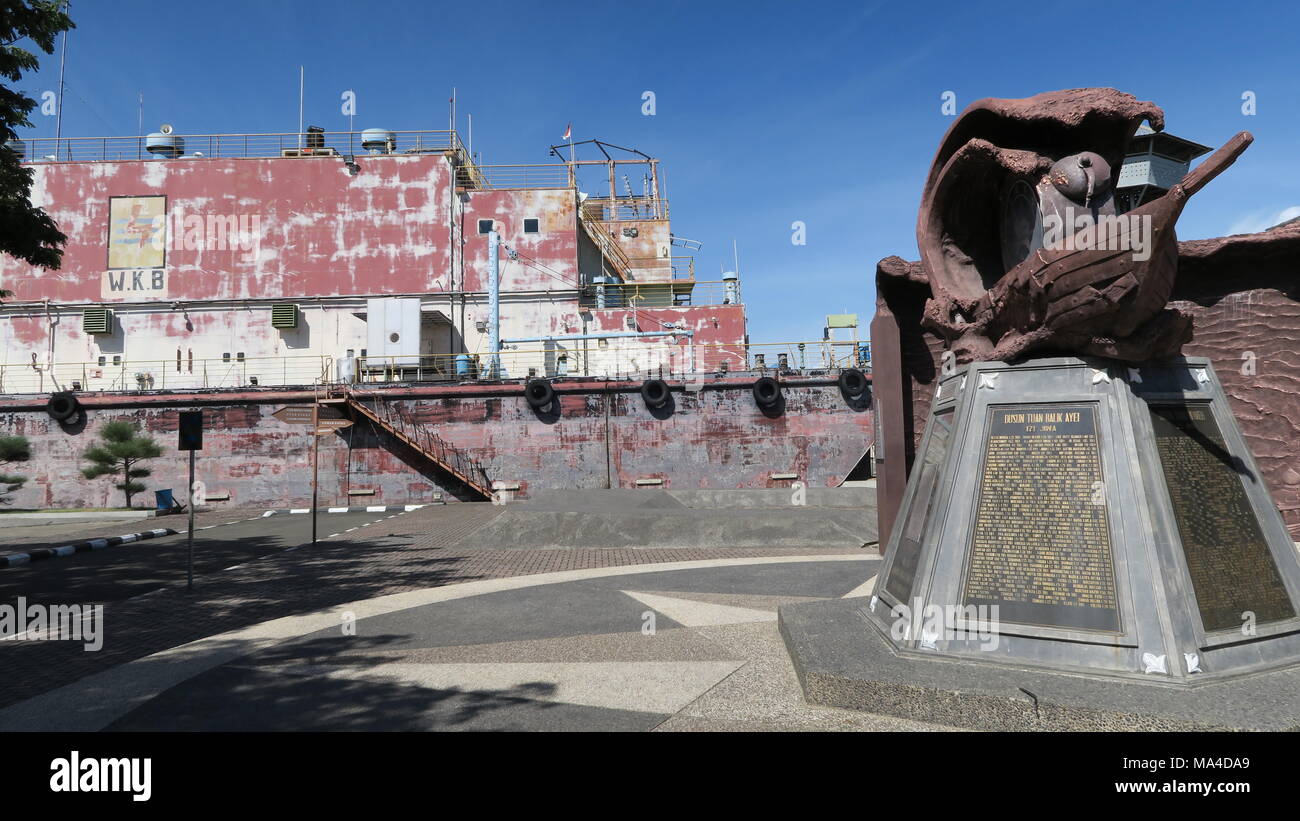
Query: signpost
323, 420
315, 465
302, 415
191, 439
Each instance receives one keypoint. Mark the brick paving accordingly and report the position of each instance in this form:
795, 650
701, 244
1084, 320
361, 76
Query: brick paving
405, 552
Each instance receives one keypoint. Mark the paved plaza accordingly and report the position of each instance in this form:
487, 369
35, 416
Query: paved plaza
438, 619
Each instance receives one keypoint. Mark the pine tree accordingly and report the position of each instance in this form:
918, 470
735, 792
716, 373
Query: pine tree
12, 449
122, 450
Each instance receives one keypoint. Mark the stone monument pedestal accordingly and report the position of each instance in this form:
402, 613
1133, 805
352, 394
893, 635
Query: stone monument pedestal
1077, 536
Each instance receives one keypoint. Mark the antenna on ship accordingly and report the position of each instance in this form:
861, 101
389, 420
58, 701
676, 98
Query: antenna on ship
302, 80
58, 119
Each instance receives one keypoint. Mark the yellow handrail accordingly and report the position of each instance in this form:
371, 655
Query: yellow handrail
609, 357
617, 357
162, 374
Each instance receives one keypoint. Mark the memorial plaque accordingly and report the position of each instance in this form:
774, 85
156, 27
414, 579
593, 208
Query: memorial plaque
903, 569
1167, 380
1040, 546
1233, 571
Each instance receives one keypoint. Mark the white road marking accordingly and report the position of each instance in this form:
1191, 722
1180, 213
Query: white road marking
862, 590
700, 614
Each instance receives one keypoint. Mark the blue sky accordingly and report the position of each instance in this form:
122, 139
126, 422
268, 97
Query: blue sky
766, 113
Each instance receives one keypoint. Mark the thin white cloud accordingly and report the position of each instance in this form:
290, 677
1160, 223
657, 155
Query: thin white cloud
1257, 221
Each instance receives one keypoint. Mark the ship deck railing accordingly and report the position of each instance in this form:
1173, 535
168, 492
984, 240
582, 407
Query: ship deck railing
351, 146
659, 288
501, 177
339, 144
625, 209
613, 358
180, 373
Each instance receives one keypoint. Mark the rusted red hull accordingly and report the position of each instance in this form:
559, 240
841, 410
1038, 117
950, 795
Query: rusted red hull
602, 436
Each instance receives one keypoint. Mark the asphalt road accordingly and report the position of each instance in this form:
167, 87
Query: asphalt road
119, 573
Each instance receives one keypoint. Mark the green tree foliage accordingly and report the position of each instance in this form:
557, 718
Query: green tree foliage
119, 454
12, 449
26, 232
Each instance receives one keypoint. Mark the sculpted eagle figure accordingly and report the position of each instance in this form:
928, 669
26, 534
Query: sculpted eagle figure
1023, 247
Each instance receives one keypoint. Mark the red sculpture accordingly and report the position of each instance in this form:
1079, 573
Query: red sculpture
1021, 242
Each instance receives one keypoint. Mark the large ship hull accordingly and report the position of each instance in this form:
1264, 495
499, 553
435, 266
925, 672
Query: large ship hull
711, 434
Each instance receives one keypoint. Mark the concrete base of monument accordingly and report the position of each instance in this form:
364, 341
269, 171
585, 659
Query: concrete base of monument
843, 660
1097, 517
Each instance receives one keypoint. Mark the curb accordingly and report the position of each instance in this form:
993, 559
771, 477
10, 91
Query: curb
15, 559
362, 509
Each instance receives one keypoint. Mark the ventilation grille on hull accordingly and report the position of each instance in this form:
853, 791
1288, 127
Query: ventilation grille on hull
284, 315
97, 321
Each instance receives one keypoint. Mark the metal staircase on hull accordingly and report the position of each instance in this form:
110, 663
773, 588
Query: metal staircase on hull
419, 438
610, 249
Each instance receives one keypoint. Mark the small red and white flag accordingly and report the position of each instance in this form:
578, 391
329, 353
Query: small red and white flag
568, 131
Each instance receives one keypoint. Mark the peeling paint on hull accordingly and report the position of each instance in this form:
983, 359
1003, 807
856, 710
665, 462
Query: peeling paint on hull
712, 438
